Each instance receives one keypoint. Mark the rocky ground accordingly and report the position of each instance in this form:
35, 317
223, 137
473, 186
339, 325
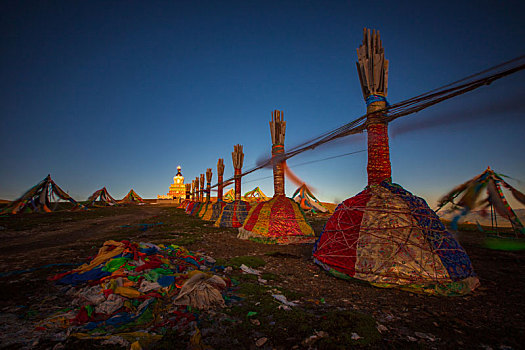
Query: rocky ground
329, 313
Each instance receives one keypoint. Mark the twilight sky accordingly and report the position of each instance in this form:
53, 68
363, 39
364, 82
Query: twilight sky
118, 93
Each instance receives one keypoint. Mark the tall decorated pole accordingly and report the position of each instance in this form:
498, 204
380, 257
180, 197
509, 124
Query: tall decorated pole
208, 183
385, 235
197, 194
219, 205
191, 204
193, 207
202, 188
234, 213
220, 175
187, 196
279, 220
205, 209
278, 130
372, 68
238, 159
188, 191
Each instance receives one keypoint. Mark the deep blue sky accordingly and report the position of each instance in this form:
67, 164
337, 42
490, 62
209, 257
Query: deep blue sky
118, 93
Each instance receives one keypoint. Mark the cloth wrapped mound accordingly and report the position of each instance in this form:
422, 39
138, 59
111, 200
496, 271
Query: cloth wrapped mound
390, 238
279, 220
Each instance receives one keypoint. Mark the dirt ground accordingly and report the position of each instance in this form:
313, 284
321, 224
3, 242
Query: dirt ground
492, 317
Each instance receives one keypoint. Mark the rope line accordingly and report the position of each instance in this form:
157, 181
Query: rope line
404, 108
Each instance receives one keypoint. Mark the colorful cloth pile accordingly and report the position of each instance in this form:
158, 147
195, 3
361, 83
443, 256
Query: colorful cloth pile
129, 287
390, 238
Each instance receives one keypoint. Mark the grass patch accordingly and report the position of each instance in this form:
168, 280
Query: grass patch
270, 276
246, 277
286, 328
185, 240
251, 261
341, 324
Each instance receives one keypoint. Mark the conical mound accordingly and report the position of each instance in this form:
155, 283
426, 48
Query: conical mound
307, 201
255, 195
190, 206
43, 197
229, 196
101, 198
217, 208
206, 211
132, 198
233, 214
391, 238
279, 220
196, 208
183, 204
471, 193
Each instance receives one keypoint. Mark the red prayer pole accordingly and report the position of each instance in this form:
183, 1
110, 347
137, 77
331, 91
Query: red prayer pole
278, 171
237, 176
219, 189
378, 168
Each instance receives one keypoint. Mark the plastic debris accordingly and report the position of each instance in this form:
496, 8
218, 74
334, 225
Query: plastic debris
315, 337
249, 270
283, 300
261, 341
381, 328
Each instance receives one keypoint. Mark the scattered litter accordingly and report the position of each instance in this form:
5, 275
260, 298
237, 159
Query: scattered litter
255, 322
355, 336
381, 328
261, 341
411, 338
283, 300
251, 313
249, 270
262, 281
313, 338
427, 336
116, 340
